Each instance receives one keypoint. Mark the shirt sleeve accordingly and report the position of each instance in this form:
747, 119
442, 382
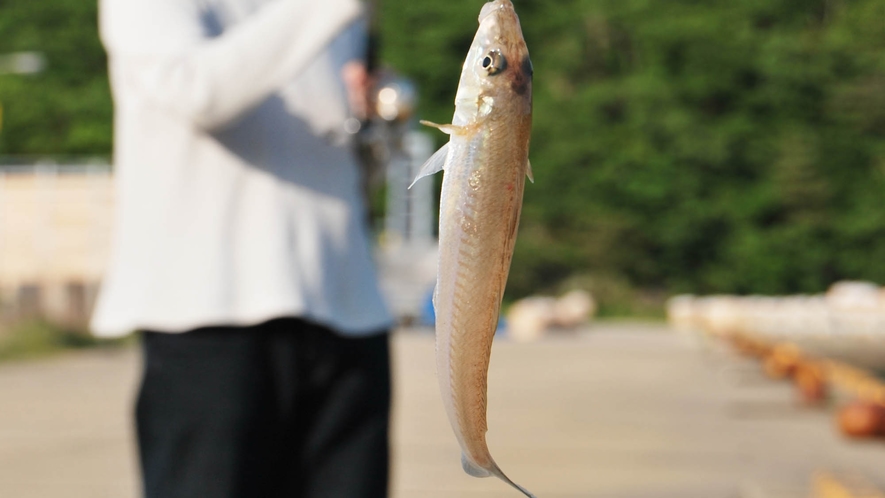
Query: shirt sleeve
159, 51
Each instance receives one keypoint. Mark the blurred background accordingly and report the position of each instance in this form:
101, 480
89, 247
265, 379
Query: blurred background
679, 147
685, 146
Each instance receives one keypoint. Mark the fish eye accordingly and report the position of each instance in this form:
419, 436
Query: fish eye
494, 62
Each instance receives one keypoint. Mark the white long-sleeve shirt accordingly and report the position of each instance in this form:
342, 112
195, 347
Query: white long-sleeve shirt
236, 201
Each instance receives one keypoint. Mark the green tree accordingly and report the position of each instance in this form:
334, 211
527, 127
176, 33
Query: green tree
67, 108
686, 145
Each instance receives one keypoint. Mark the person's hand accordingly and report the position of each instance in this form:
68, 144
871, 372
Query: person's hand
358, 83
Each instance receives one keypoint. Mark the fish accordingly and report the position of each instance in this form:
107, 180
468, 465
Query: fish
485, 165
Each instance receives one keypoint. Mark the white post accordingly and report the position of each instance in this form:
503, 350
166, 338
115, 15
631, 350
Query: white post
419, 148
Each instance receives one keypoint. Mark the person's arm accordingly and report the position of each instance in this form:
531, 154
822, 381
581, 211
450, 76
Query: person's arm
162, 53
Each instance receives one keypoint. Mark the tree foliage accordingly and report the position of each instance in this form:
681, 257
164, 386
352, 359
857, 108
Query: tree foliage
67, 108
686, 145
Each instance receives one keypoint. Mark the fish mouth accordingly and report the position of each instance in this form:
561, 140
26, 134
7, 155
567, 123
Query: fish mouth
490, 7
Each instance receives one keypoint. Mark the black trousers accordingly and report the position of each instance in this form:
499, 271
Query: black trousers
282, 409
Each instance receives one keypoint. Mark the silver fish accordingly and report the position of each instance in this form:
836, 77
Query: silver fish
485, 163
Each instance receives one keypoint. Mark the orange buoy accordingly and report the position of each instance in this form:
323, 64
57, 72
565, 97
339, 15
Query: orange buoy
811, 383
862, 419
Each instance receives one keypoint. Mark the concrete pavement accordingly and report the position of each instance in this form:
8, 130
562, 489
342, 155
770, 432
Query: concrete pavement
616, 411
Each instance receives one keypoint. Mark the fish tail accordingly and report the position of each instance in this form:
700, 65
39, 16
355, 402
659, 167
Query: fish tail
500, 475
477, 471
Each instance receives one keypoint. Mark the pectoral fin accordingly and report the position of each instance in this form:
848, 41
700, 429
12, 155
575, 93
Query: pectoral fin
528, 170
448, 129
434, 164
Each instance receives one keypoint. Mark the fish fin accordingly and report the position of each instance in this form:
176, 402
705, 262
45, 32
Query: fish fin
497, 472
473, 469
448, 129
434, 164
500, 475
477, 471
528, 170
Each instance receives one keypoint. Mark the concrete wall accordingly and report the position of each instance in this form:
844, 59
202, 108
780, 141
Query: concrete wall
55, 229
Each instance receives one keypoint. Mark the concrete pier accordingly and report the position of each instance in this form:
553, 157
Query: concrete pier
614, 411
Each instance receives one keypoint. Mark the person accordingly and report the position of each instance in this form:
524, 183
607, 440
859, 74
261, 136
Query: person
240, 249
